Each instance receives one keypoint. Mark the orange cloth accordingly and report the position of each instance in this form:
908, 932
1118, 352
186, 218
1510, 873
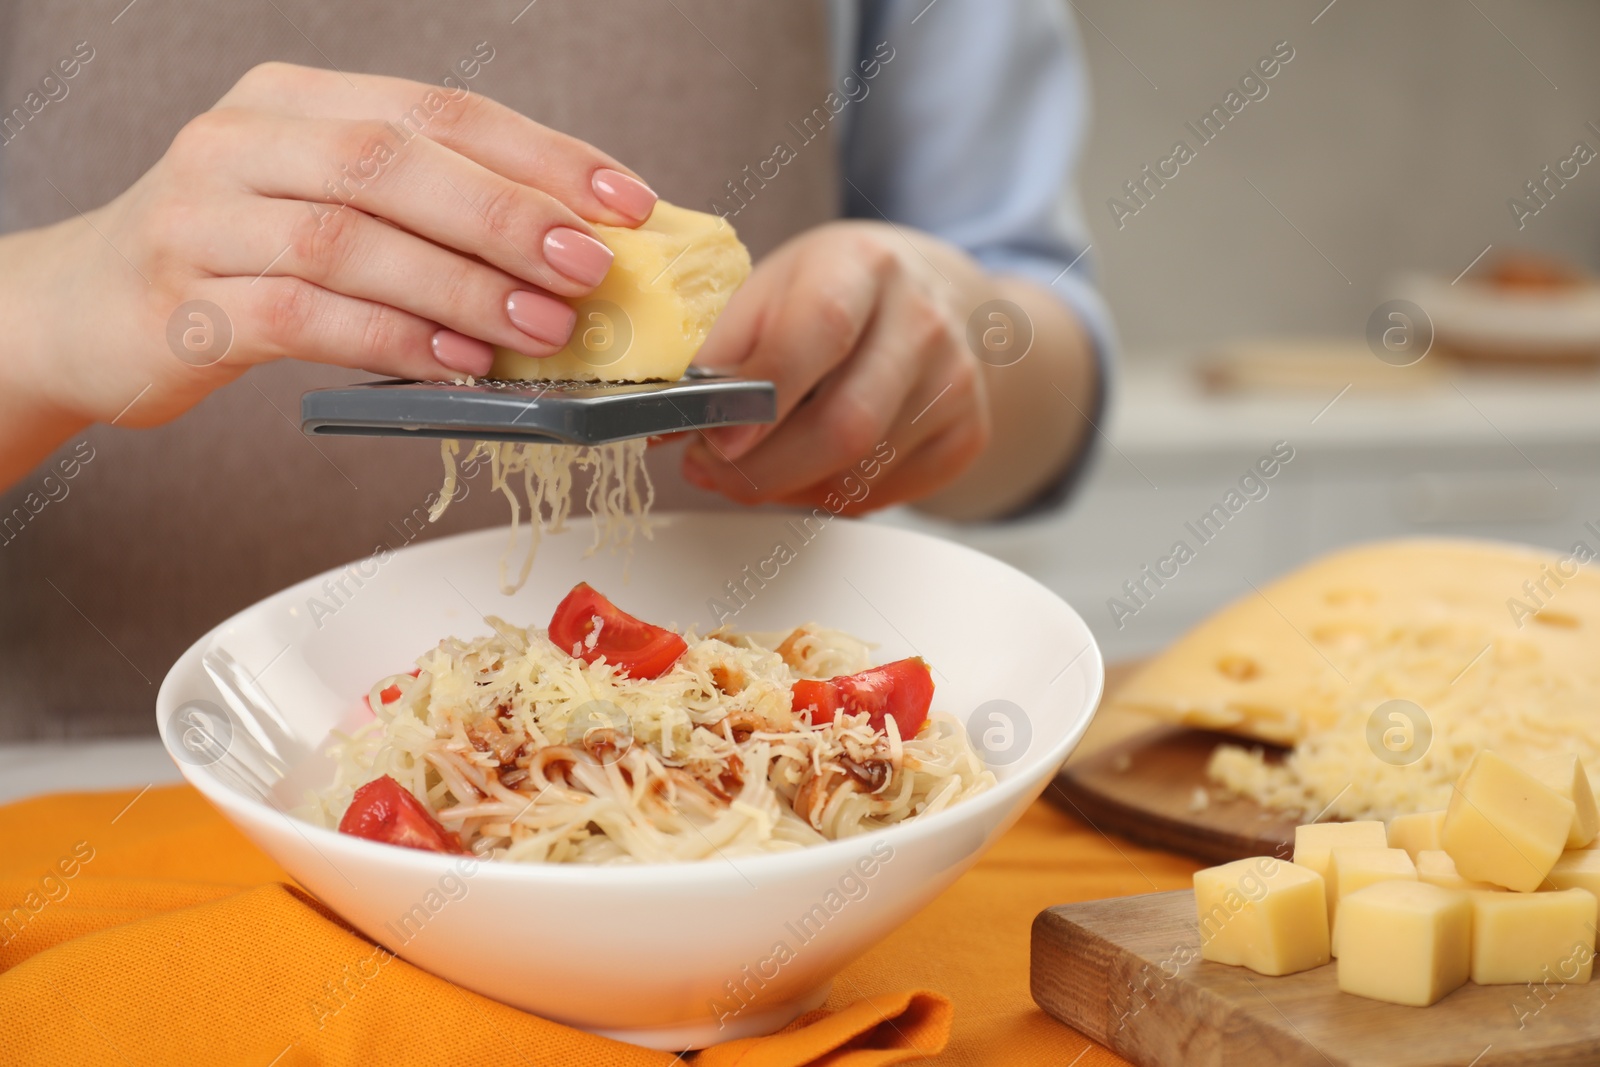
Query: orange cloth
141, 928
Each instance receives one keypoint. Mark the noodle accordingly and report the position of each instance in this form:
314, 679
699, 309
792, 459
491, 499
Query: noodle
619, 496
533, 755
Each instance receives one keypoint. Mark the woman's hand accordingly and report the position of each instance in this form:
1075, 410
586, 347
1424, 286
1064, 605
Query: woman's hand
864, 337
882, 398
362, 221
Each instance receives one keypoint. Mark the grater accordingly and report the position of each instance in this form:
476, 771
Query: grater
568, 413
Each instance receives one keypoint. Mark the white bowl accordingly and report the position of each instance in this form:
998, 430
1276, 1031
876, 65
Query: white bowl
671, 956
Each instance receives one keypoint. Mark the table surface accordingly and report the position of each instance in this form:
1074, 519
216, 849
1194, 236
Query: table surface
36, 767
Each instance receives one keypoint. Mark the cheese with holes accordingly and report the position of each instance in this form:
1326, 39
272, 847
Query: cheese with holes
1405, 942
1353, 869
1533, 937
670, 280
1314, 844
1565, 774
1417, 831
1504, 825
1435, 867
1262, 913
1493, 643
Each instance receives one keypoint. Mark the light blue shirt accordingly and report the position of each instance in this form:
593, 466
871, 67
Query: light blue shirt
972, 132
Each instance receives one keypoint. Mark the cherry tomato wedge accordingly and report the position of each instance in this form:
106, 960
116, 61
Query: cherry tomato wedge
383, 810
903, 689
633, 646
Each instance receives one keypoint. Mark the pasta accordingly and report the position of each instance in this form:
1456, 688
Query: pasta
531, 754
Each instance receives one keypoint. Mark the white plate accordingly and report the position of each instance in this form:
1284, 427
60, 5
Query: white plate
672, 956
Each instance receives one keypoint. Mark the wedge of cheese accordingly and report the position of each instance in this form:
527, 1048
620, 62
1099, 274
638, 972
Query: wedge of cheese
1579, 869
1353, 869
1405, 942
1464, 628
1387, 666
1435, 867
1314, 844
1504, 826
1565, 774
1533, 937
670, 280
1262, 913
1417, 831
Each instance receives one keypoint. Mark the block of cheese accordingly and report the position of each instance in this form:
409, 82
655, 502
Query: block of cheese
1311, 659
1314, 844
1578, 869
1417, 831
1505, 826
1405, 942
1565, 774
670, 280
1353, 869
1333, 639
1262, 913
1435, 867
1532, 937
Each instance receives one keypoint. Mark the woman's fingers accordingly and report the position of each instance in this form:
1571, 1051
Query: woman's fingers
587, 180
282, 317
419, 185
347, 251
910, 475
889, 388
798, 316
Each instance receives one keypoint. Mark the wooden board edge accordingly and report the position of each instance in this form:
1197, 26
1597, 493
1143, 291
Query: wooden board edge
1071, 967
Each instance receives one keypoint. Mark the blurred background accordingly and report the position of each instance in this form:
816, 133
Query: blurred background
1440, 153
1380, 164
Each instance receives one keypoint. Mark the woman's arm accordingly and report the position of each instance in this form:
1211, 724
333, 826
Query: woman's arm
313, 224
32, 422
1039, 406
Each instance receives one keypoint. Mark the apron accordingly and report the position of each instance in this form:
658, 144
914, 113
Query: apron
159, 534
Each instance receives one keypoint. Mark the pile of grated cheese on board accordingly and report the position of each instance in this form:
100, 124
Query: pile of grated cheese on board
1486, 645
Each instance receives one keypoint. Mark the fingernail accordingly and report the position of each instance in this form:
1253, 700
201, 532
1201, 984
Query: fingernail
624, 193
695, 473
735, 441
577, 255
462, 353
541, 317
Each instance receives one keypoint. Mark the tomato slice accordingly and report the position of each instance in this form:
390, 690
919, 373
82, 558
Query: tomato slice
633, 646
384, 810
903, 689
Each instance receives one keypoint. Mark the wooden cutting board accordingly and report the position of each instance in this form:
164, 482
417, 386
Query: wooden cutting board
1135, 776
1127, 973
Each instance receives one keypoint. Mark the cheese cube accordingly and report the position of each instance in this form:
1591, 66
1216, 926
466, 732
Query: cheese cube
1565, 774
1404, 942
1435, 867
1532, 937
1416, 832
1314, 842
1505, 826
1264, 914
669, 280
1353, 869
1578, 869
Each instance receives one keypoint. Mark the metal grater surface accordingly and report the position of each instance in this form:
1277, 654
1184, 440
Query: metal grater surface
571, 413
